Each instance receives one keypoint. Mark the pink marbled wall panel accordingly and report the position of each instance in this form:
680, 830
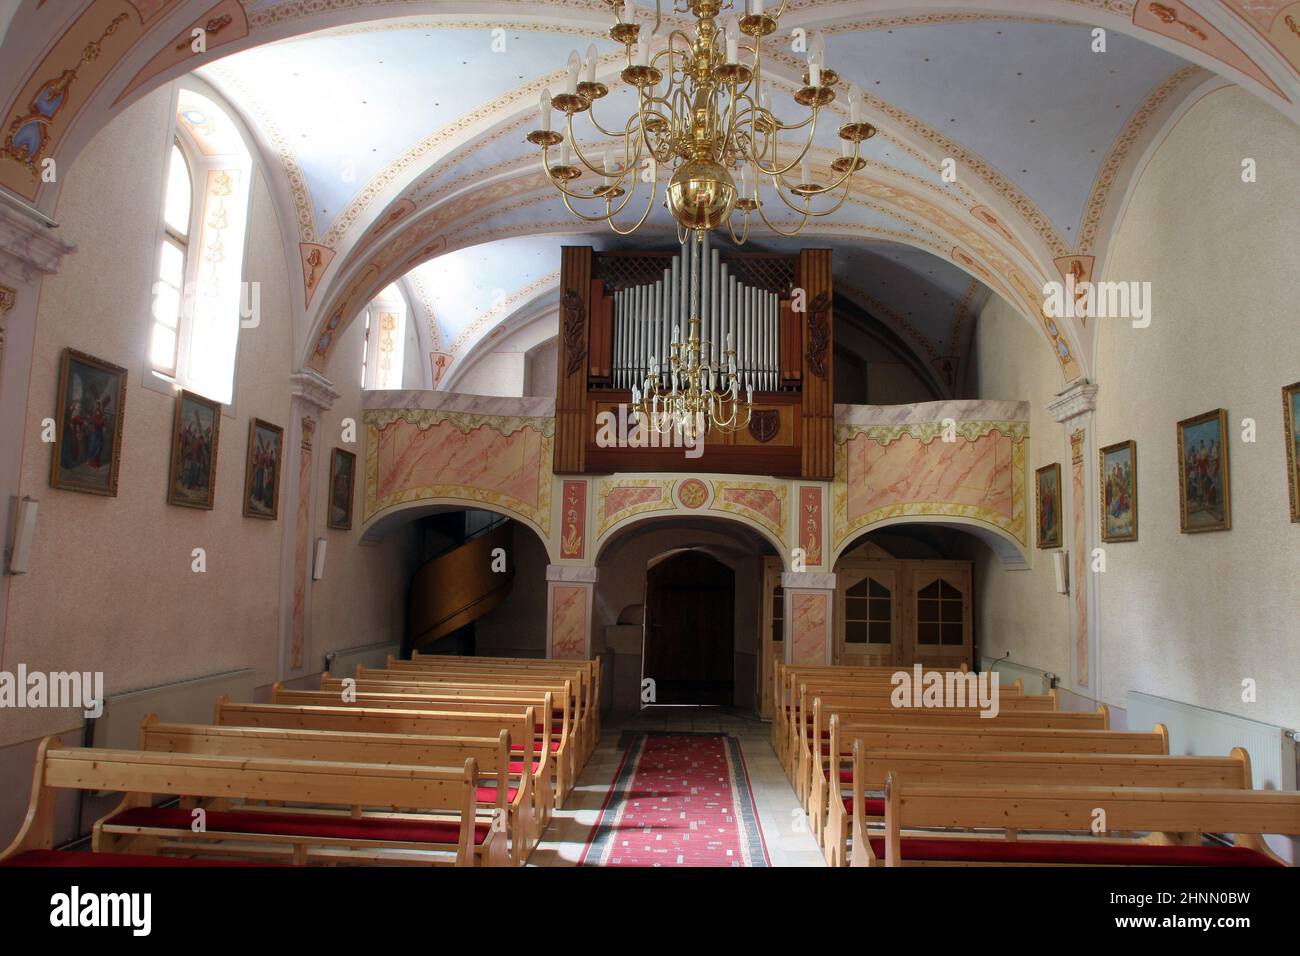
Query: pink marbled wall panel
810, 630
482, 458
569, 621
906, 471
759, 500
620, 499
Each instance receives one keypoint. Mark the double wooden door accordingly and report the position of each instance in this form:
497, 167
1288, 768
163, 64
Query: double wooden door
903, 612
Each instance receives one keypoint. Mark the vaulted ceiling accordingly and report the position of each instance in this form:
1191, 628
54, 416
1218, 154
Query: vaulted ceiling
394, 134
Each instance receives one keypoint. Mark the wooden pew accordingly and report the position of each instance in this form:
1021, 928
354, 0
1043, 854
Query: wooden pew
822, 707
955, 716
871, 767
1174, 816
384, 681
802, 684
449, 697
459, 722
459, 832
492, 757
588, 676
578, 704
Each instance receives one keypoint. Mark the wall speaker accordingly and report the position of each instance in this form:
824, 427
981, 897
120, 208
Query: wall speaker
1061, 562
24, 532
318, 566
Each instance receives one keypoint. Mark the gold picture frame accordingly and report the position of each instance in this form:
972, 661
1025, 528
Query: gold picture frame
262, 466
88, 417
1118, 488
1291, 421
1047, 494
196, 439
1204, 486
338, 502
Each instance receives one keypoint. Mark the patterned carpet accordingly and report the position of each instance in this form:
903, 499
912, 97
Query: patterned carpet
678, 799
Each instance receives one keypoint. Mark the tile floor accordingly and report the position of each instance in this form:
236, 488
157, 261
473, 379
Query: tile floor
785, 830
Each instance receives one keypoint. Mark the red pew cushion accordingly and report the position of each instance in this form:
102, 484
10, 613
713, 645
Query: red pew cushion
300, 824
489, 795
1077, 853
84, 859
537, 746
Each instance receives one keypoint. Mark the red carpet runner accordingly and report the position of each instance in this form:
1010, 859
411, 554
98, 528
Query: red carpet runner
679, 800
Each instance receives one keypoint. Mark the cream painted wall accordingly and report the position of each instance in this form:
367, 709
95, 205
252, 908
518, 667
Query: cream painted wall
1189, 616
111, 587
1020, 611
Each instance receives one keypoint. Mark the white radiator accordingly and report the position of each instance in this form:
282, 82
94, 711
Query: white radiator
344, 663
1032, 679
186, 702
1203, 732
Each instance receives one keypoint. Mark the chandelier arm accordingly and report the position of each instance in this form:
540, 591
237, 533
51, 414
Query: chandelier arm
645, 213
812, 132
781, 232
744, 234
599, 170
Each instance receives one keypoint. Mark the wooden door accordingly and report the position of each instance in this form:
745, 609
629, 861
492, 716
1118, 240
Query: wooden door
867, 613
690, 637
939, 612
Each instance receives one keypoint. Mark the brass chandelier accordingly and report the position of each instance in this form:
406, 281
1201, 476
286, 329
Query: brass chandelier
703, 111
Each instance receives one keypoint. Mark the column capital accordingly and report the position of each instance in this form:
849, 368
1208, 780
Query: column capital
1079, 398
314, 389
807, 581
572, 573
29, 249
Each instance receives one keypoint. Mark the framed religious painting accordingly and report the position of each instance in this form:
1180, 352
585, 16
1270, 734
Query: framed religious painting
1119, 492
192, 479
1204, 496
1047, 495
262, 470
1291, 423
343, 466
88, 425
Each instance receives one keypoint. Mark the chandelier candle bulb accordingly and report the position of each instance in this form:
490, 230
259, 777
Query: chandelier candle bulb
575, 67
544, 110
855, 104
591, 63
733, 41
756, 7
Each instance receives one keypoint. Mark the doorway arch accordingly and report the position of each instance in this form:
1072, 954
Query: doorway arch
690, 636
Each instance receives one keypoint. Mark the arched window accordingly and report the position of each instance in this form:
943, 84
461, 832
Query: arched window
200, 298
383, 355
178, 214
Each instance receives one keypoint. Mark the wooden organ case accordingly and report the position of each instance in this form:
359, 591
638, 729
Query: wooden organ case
611, 318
